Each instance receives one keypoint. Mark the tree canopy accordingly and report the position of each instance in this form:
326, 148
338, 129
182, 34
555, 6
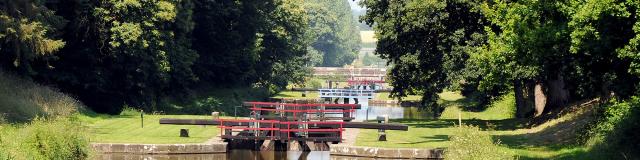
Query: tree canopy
425, 42
136, 52
570, 49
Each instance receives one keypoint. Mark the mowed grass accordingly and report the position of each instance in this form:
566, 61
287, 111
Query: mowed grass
297, 95
421, 134
502, 108
128, 129
546, 141
432, 133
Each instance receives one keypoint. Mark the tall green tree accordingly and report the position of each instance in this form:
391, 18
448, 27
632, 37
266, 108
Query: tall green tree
567, 48
141, 44
124, 52
251, 42
28, 31
424, 41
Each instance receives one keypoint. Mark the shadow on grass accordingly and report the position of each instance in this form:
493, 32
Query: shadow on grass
465, 104
562, 133
435, 138
506, 124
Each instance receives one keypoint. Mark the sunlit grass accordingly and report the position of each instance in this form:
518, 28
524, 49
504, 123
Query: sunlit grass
503, 108
421, 134
496, 120
297, 95
128, 129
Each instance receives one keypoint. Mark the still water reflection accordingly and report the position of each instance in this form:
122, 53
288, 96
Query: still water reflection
370, 112
394, 112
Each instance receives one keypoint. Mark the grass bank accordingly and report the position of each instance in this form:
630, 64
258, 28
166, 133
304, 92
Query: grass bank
38, 122
22, 100
554, 139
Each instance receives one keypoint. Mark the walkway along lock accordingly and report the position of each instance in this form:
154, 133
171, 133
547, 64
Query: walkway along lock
288, 122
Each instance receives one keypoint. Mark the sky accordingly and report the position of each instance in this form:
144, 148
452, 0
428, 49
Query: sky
354, 5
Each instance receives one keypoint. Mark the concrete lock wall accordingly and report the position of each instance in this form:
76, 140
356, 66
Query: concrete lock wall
405, 153
160, 148
337, 150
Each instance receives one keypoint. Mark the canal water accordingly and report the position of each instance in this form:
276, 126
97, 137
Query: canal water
394, 112
366, 112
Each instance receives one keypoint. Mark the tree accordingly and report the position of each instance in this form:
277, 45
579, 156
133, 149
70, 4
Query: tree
333, 32
552, 45
243, 43
139, 52
424, 40
28, 31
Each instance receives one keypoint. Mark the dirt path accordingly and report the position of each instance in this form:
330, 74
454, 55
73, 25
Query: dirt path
349, 136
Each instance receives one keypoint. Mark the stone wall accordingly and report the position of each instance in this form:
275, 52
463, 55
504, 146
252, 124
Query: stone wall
159, 148
374, 152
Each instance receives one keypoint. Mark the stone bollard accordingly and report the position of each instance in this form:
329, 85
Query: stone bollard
184, 133
215, 115
382, 136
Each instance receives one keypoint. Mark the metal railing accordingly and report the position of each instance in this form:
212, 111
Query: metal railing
346, 93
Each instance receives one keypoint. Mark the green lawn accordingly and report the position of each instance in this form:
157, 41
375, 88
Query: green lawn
385, 96
501, 109
497, 120
297, 95
127, 129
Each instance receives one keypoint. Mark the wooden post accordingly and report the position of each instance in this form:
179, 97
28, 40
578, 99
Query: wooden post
142, 118
184, 133
460, 118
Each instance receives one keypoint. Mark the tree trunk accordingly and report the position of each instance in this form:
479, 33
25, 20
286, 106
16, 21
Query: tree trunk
540, 99
523, 107
557, 93
524, 98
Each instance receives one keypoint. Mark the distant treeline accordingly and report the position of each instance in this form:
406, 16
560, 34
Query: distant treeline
334, 31
549, 53
110, 53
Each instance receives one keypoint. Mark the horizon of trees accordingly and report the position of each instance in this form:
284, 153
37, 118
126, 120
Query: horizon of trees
113, 53
566, 51
334, 33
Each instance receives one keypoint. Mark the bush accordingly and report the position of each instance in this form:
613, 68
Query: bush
617, 130
205, 106
44, 139
469, 143
129, 111
314, 83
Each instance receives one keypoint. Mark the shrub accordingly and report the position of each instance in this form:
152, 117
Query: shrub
469, 143
129, 111
204, 106
44, 139
314, 83
617, 128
